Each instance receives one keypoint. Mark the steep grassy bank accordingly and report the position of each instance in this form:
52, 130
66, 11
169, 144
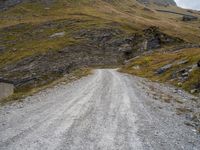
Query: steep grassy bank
176, 67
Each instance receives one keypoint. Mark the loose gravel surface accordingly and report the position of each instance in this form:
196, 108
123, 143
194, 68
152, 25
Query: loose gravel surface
104, 111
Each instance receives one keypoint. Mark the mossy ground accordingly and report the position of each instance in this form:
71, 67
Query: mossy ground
146, 66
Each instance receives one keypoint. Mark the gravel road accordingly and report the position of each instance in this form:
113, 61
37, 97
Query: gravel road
104, 111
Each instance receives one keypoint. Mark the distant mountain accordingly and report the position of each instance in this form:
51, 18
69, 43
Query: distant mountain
158, 2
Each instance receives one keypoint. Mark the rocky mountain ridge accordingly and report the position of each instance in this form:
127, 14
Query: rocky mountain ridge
159, 2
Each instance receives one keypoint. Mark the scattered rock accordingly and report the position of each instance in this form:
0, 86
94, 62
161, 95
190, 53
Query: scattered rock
198, 129
183, 74
6, 89
132, 59
59, 34
194, 99
152, 43
189, 124
182, 71
147, 9
126, 49
193, 91
136, 67
166, 99
180, 84
182, 62
186, 74
163, 69
196, 117
183, 110
189, 18
175, 91
14, 49
190, 70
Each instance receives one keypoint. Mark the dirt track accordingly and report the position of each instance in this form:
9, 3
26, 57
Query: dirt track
104, 111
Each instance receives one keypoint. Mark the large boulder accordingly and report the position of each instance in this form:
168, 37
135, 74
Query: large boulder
6, 88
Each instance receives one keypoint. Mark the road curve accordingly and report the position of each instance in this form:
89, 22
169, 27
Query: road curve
104, 111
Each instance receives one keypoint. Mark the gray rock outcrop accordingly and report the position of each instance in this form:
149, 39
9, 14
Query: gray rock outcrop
97, 47
164, 68
6, 88
189, 18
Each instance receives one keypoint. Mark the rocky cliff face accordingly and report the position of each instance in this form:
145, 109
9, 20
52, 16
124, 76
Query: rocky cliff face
158, 2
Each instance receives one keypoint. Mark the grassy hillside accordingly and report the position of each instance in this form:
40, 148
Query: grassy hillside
128, 13
20, 25
92, 32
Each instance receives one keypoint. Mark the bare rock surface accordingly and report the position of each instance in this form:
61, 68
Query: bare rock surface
105, 111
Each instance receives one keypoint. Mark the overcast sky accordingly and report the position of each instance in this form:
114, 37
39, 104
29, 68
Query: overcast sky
192, 4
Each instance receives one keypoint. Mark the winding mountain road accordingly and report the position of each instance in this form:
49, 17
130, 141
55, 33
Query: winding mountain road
104, 111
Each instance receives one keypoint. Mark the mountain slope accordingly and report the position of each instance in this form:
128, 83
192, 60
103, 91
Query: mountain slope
158, 2
47, 39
